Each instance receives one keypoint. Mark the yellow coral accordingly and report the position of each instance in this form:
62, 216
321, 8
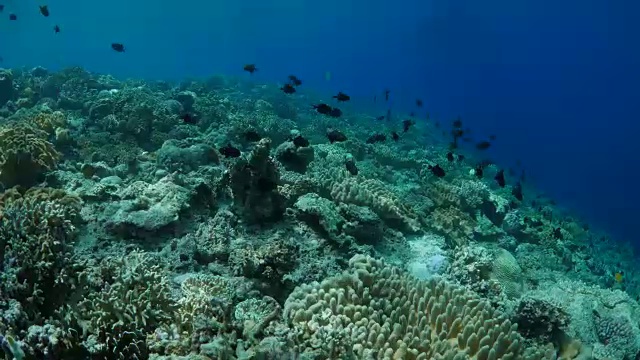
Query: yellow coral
49, 122
25, 154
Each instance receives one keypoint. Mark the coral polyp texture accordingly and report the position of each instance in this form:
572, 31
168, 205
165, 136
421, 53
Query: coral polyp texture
374, 310
219, 218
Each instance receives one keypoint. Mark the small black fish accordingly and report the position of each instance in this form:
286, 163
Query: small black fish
250, 68
516, 191
342, 97
117, 47
376, 138
557, 233
386, 94
13, 17
457, 123
412, 114
381, 117
294, 80
492, 137
500, 178
479, 171
323, 108
419, 103
229, 151
395, 136
1, 8
56, 29
288, 89
460, 157
450, 156
336, 136
44, 10
437, 170
335, 113
351, 167
252, 136
483, 145
406, 124
300, 141
188, 119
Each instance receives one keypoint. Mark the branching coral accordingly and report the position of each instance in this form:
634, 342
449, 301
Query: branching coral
25, 154
36, 229
376, 311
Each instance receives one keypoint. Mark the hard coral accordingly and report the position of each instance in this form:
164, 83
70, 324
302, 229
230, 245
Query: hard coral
374, 310
25, 155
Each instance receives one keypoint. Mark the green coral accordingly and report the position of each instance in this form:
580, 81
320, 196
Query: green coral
25, 154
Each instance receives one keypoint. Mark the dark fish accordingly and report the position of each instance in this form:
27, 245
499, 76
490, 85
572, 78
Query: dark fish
395, 136
412, 114
438, 124
1, 8
288, 89
323, 108
406, 124
265, 185
557, 233
386, 94
252, 136
516, 191
460, 157
351, 167
188, 119
492, 137
44, 10
335, 112
381, 117
250, 68
467, 139
376, 138
437, 170
300, 141
117, 47
479, 171
483, 145
419, 103
229, 151
457, 123
294, 80
56, 29
342, 97
13, 17
450, 156
336, 136
375, 98
500, 178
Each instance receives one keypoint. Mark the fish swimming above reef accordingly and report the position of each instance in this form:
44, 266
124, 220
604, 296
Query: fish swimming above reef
250, 68
188, 119
1, 8
252, 136
342, 97
351, 166
323, 108
229, 151
419, 103
395, 136
517, 191
300, 141
335, 112
437, 170
117, 47
386, 94
500, 178
406, 124
336, 136
13, 17
450, 156
293, 80
483, 145
44, 10
288, 89
376, 138
56, 29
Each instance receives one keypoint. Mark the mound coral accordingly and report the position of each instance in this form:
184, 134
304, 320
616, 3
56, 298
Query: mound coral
25, 154
376, 311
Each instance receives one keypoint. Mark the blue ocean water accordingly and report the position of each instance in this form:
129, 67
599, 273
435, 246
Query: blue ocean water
556, 82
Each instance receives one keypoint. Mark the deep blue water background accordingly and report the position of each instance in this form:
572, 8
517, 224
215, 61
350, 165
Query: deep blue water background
556, 81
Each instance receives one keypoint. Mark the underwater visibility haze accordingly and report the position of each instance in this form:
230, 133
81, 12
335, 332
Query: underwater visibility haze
329, 180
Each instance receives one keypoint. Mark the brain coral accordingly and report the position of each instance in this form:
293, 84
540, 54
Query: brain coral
374, 311
25, 154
